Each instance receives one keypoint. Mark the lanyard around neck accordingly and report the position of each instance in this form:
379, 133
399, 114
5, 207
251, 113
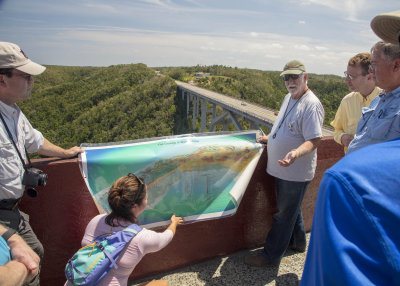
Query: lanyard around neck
287, 113
15, 145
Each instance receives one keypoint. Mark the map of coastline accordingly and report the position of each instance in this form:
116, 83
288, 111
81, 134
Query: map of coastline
195, 184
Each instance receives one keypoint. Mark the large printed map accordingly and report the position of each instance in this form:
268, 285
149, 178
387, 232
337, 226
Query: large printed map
196, 176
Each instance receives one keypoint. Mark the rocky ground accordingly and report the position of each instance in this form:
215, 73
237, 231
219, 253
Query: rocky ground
231, 270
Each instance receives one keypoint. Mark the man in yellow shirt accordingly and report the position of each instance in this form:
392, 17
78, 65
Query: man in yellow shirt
363, 90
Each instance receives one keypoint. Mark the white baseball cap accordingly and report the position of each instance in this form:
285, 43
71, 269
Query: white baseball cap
11, 56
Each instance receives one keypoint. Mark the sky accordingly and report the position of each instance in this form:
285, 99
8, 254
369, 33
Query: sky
255, 34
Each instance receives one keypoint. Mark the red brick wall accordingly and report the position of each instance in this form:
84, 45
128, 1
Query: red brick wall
63, 208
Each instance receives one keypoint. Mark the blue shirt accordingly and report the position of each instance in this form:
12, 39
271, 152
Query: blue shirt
379, 122
4, 252
355, 236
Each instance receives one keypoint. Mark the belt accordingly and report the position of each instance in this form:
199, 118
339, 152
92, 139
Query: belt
9, 204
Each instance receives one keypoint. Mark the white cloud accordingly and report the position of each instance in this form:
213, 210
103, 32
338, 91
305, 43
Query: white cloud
320, 48
103, 8
155, 48
158, 2
190, 32
351, 8
302, 47
277, 45
272, 56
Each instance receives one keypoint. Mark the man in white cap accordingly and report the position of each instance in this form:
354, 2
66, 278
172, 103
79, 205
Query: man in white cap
292, 159
16, 135
355, 238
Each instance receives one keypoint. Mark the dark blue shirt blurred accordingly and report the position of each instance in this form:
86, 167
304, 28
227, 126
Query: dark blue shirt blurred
355, 236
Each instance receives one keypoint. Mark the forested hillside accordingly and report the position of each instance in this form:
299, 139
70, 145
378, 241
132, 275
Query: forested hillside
74, 105
262, 87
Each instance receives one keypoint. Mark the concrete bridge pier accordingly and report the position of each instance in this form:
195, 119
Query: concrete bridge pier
232, 110
223, 119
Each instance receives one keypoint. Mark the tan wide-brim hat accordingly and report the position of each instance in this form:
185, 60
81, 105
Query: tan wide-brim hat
387, 26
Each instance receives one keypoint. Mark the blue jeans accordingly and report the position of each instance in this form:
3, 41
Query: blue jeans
287, 226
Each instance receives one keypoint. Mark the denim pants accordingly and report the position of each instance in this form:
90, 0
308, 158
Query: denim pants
288, 225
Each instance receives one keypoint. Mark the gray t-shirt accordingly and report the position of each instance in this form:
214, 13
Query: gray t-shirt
303, 122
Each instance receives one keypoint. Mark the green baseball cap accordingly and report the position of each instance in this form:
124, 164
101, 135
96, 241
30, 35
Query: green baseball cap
293, 67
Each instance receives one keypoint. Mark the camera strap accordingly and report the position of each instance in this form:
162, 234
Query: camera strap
15, 145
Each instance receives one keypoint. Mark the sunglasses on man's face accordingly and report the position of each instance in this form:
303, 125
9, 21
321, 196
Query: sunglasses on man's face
286, 77
25, 76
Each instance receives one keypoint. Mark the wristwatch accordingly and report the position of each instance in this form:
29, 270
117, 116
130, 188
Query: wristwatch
8, 234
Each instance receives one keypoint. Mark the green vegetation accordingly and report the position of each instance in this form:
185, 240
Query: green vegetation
74, 105
262, 87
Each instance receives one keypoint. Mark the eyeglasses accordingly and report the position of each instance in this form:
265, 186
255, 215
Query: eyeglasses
286, 77
351, 77
26, 76
371, 67
141, 185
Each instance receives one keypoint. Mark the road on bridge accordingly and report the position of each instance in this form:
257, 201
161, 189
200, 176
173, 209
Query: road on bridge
253, 111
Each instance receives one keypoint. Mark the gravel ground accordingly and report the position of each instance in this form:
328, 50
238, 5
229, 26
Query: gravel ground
231, 270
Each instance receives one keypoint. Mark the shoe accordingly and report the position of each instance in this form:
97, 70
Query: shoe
258, 261
298, 248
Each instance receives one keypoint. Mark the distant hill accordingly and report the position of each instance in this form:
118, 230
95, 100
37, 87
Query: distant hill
262, 87
74, 105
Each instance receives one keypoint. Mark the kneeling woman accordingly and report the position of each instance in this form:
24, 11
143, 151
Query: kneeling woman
128, 199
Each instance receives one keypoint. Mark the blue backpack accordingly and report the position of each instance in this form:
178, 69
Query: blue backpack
91, 263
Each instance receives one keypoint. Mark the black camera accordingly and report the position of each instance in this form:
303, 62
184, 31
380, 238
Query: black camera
34, 177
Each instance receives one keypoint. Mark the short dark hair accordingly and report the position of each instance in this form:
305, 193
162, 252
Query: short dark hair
362, 59
122, 196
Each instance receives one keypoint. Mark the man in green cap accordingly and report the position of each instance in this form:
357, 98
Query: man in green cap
292, 159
